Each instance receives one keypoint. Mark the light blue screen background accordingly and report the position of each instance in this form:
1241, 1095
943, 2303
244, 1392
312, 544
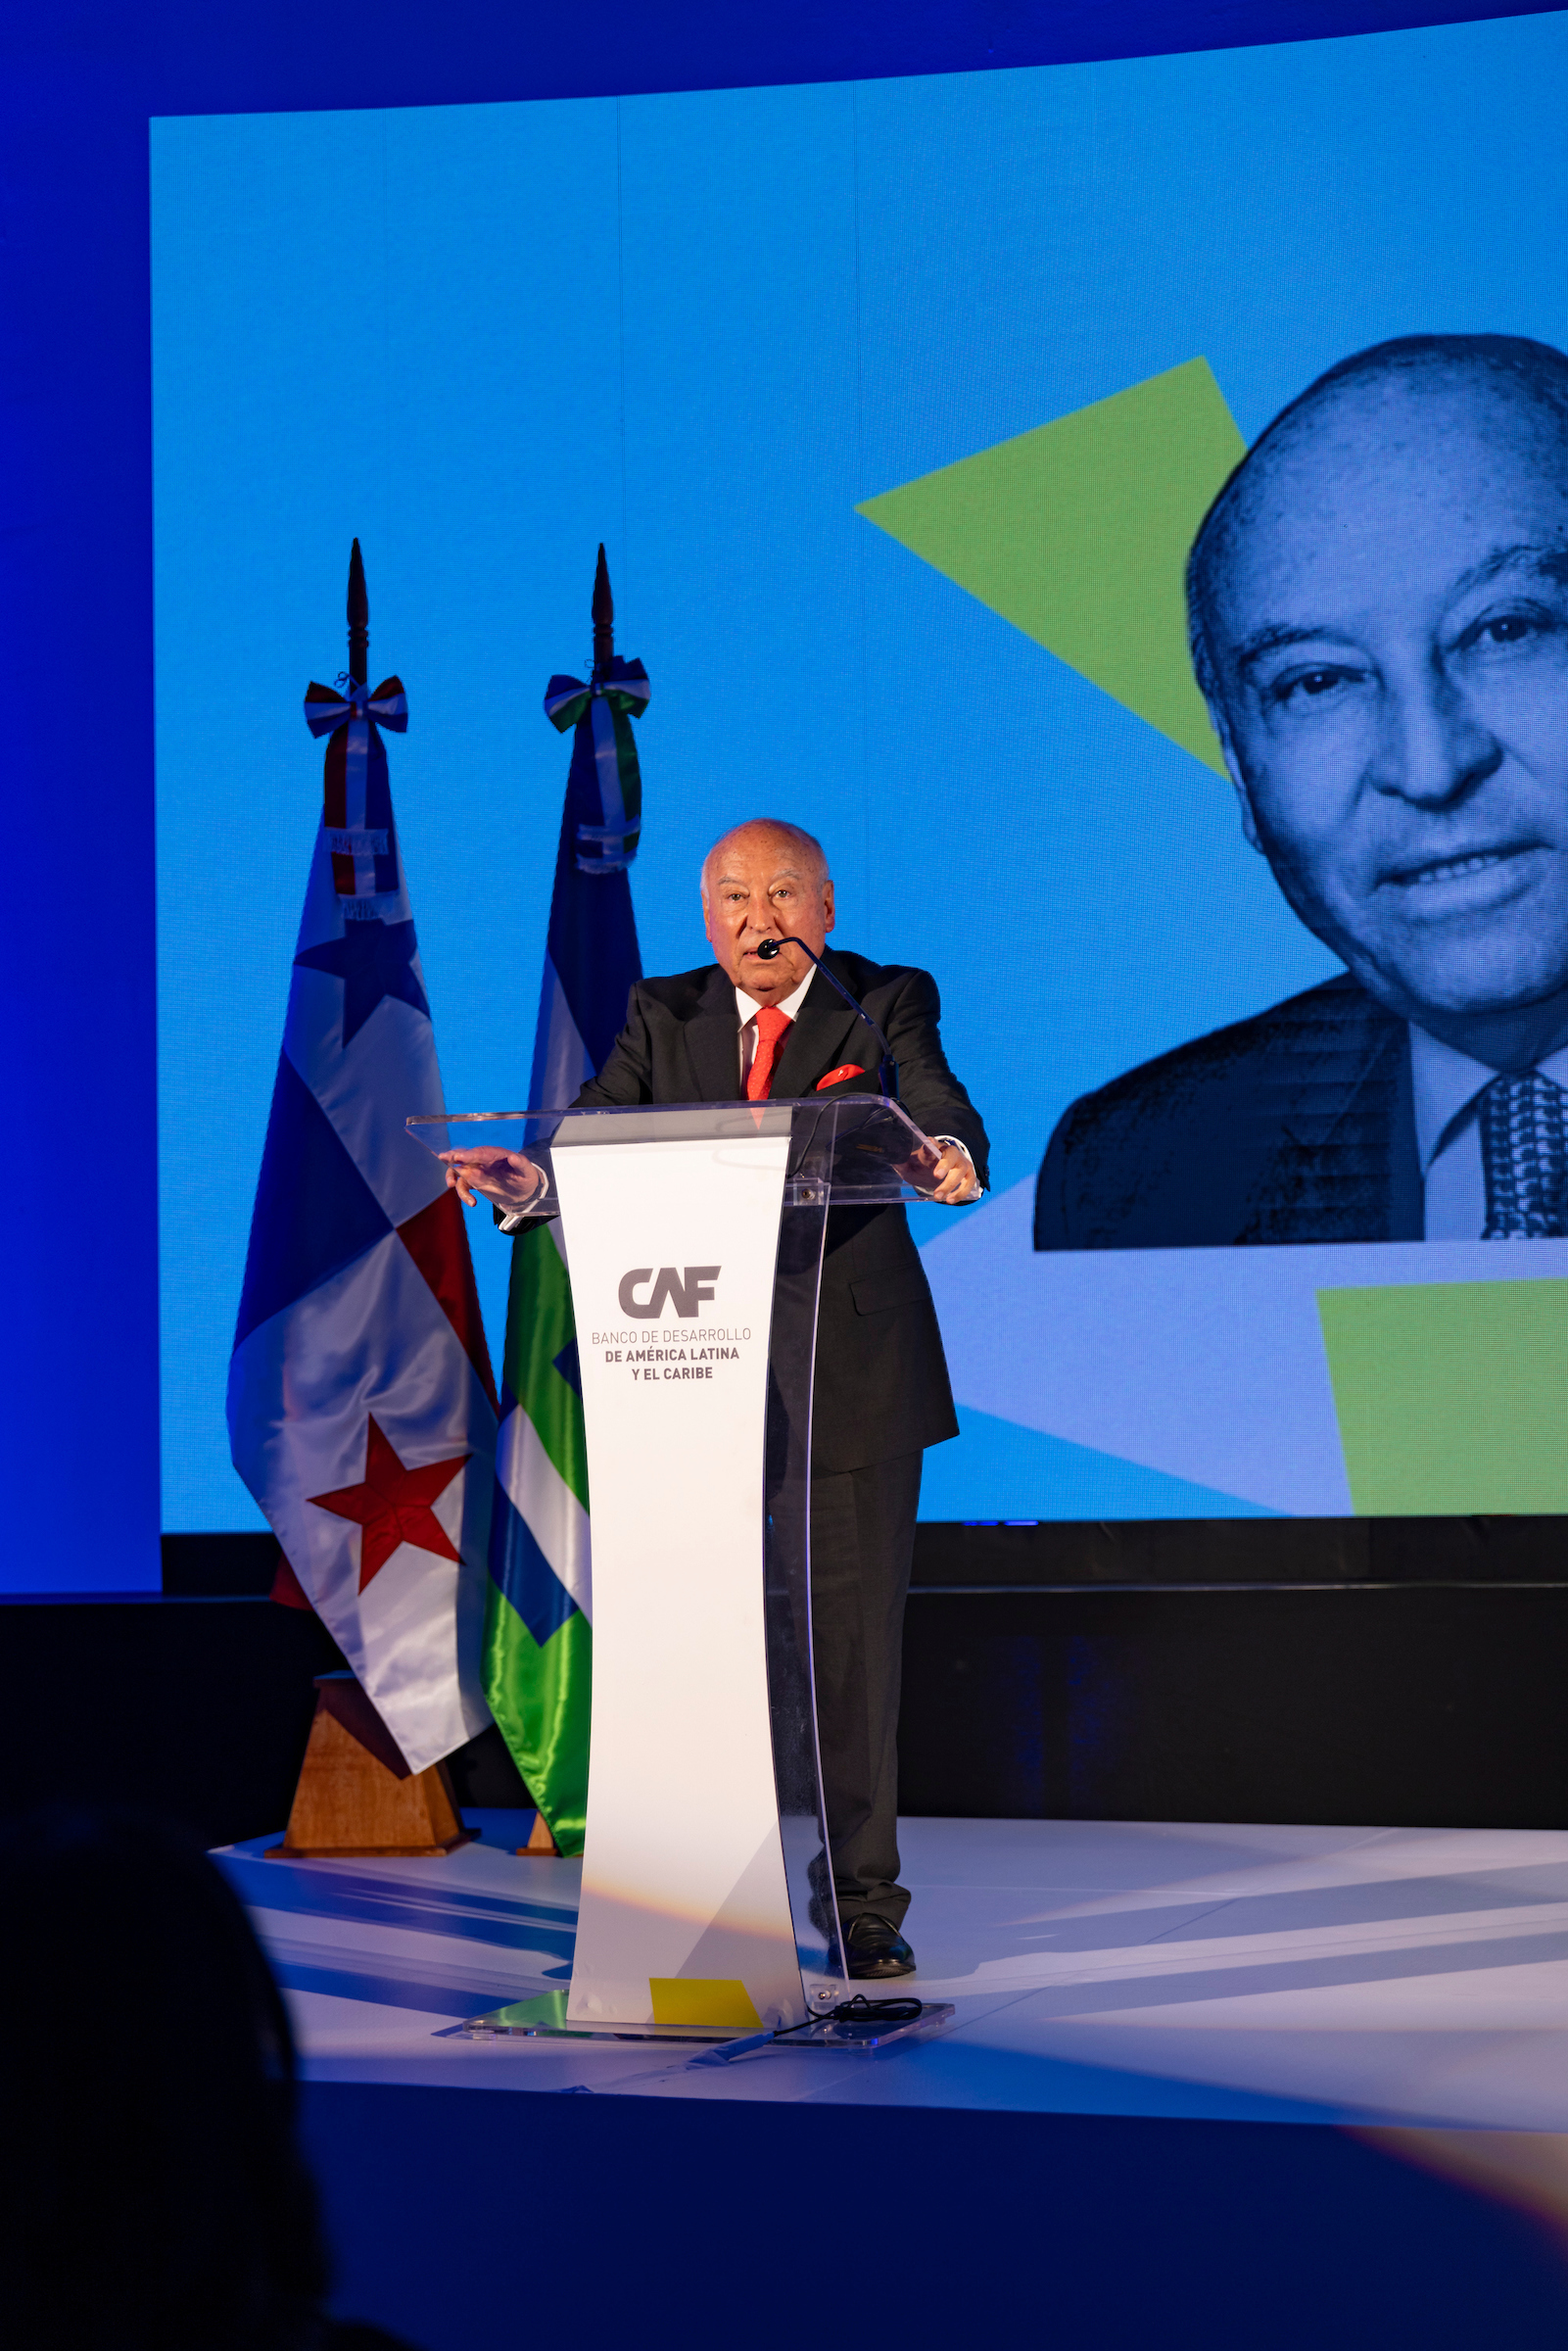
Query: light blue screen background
701, 328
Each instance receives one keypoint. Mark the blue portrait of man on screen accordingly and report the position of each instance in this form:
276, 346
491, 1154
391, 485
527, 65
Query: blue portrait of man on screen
1378, 602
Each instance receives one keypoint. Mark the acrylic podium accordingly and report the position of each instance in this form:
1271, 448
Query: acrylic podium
695, 1236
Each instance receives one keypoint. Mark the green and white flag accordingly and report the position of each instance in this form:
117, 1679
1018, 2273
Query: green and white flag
539, 1653
538, 1636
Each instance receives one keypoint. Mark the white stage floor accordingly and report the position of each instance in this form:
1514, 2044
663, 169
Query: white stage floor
1337, 1976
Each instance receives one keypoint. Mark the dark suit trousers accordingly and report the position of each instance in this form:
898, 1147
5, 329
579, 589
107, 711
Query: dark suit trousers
862, 1549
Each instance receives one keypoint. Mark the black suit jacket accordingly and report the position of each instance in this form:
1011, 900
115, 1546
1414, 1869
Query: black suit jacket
881, 1386
1296, 1126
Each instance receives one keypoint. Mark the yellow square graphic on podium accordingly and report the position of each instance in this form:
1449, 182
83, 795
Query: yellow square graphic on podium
1451, 1397
702, 2000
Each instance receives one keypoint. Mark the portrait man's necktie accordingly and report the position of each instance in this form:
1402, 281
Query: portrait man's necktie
771, 1026
1524, 1151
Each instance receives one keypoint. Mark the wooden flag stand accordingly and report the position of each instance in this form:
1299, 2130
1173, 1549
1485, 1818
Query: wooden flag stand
357, 1796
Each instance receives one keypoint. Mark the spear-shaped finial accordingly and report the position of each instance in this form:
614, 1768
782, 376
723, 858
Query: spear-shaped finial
358, 620
603, 618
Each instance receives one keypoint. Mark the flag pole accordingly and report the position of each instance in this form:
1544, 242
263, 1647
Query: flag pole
538, 1640
603, 613
360, 619
306, 1367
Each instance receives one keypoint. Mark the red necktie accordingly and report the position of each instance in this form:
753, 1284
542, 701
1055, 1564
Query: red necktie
771, 1026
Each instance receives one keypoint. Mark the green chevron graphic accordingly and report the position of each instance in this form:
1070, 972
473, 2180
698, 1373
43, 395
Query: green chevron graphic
1077, 533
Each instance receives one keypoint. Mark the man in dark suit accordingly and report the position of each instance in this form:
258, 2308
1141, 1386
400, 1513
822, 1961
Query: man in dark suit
1378, 614
744, 1026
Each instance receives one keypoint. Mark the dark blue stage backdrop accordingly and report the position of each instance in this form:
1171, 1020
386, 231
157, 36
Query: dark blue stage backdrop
81, 84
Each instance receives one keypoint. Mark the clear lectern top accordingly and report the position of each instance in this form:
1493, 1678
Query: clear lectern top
865, 1148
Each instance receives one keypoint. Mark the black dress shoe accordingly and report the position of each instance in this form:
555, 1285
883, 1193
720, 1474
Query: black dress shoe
872, 1947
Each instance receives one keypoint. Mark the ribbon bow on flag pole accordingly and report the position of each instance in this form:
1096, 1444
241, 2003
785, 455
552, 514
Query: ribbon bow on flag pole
329, 706
602, 712
357, 807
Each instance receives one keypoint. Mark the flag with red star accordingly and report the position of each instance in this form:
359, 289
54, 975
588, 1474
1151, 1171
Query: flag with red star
362, 1408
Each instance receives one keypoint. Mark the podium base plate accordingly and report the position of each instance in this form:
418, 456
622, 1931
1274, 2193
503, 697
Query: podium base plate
543, 2018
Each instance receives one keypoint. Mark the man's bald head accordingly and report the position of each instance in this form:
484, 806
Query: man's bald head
769, 835
766, 879
1379, 604
1522, 383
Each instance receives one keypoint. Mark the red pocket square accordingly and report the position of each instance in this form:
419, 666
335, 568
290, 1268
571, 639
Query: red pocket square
845, 1069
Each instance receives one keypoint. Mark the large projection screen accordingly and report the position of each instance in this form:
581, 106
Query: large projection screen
897, 406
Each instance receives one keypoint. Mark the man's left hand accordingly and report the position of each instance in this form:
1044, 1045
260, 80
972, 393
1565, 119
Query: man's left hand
950, 1174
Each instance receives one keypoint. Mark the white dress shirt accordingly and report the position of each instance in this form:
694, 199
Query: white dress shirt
1449, 1085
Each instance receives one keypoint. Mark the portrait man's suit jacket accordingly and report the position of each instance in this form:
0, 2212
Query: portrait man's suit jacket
881, 1386
1296, 1126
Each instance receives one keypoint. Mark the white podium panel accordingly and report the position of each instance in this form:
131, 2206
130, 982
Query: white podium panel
685, 1911
695, 1235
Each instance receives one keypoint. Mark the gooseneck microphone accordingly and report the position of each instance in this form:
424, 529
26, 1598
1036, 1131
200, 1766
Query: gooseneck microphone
887, 1071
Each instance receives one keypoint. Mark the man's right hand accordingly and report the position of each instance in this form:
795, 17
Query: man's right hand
506, 1179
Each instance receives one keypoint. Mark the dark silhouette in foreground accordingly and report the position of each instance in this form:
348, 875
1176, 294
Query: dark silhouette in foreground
152, 2193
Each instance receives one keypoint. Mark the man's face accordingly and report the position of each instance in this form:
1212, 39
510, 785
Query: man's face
757, 885
1392, 644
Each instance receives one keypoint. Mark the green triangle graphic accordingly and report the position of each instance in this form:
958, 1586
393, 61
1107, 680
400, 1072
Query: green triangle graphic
1077, 533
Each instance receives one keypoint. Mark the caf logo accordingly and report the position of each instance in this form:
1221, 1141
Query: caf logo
687, 1294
